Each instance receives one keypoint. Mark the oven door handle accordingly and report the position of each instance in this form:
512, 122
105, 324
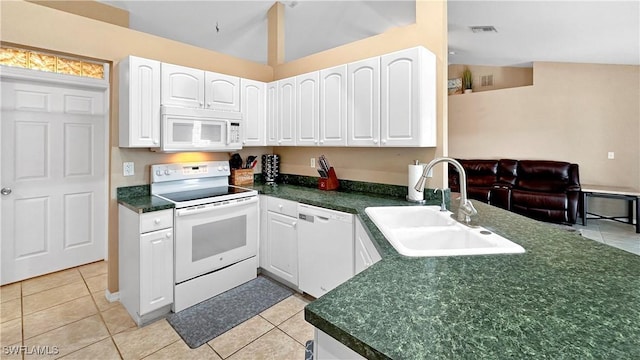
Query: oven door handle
212, 207
228, 140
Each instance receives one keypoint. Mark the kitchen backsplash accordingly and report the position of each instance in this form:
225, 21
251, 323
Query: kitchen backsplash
311, 182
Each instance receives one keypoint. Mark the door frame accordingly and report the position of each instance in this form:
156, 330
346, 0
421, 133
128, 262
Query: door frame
102, 85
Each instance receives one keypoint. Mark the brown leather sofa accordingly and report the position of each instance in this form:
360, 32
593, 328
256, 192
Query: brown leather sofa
540, 189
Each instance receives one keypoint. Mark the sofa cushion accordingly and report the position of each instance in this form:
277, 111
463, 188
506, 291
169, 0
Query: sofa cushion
507, 171
543, 176
480, 172
539, 200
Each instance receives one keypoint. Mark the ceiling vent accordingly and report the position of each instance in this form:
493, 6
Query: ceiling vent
483, 29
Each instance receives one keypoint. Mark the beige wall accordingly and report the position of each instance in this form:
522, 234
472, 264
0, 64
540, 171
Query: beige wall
64, 32
503, 76
573, 112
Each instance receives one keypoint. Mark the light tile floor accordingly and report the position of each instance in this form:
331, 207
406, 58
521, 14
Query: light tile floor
612, 233
66, 314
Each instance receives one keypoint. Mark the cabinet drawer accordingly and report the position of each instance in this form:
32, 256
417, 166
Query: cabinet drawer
280, 206
156, 220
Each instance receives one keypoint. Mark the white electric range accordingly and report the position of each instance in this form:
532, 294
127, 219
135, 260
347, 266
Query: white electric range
216, 227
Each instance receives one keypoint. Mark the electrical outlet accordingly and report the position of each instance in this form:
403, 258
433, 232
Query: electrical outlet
128, 168
611, 155
312, 163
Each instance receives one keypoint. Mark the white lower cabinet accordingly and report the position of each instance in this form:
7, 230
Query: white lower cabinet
146, 263
328, 348
365, 252
279, 243
312, 249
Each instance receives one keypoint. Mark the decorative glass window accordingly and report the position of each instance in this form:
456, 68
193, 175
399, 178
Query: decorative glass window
29, 59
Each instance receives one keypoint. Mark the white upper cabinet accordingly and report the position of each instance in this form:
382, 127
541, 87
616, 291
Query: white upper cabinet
139, 97
286, 118
307, 109
363, 102
182, 86
272, 113
253, 112
333, 107
408, 94
194, 88
222, 92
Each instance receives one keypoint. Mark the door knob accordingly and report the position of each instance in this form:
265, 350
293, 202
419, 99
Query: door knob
5, 191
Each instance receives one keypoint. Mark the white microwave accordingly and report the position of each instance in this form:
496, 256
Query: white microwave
187, 129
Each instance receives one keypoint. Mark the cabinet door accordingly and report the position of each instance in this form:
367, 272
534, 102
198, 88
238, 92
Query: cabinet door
365, 252
282, 247
333, 106
253, 112
272, 113
363, 103
182, 86
221, 92
287, 112
307, 109
156, 270
408, 98
139, 102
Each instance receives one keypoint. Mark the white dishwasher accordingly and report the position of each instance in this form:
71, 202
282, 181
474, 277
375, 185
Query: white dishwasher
325, 249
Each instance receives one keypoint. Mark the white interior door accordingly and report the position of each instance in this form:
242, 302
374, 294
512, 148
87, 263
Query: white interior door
53, 176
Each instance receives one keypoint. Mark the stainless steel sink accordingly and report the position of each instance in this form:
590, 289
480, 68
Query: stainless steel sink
420, 231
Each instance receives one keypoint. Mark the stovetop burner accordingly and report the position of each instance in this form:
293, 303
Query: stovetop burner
189, 195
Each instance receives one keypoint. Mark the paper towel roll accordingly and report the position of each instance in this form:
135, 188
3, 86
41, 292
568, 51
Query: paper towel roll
415, 171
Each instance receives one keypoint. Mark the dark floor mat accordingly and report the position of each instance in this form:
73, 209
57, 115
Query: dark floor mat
210, 318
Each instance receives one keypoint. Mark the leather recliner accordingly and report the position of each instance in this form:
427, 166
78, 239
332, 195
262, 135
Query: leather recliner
540, 189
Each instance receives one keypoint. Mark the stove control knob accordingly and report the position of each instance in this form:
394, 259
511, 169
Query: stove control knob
219, 168
167, 172
158, 173
226, 168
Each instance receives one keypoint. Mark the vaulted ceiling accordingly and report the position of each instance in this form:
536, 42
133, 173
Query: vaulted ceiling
564, 31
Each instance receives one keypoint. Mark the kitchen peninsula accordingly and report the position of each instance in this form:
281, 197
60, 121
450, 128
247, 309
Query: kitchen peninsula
566, 297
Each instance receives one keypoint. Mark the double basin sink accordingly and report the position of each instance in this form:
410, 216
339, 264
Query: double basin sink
420, 231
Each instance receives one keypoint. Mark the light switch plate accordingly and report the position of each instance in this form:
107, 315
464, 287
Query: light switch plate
611, 155
128, 168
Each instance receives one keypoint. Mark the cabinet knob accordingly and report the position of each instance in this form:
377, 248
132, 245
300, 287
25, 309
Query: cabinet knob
384, 141
280, 207
279, 141
375, 141
156, 221
321, 141
155, 142
201, 104
208, 104
295, 223
168, 235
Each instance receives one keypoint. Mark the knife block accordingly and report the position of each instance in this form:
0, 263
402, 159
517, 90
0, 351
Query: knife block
330, 183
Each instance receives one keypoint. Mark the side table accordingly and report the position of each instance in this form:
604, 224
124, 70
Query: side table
631, 196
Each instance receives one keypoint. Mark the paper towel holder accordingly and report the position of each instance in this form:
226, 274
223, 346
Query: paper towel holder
416, 201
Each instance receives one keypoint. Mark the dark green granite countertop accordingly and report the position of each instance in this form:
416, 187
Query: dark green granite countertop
138, 199
567, 297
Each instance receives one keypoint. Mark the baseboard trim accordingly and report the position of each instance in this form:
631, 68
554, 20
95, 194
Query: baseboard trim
111, 297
